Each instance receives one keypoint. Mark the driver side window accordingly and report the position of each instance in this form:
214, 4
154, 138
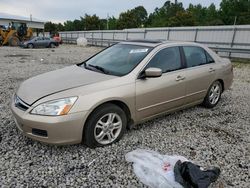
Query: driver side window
168, 59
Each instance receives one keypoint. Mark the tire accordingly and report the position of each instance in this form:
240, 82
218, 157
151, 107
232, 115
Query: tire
30, 46
213, 95
1, 40
14, 41
97, 130
52, 45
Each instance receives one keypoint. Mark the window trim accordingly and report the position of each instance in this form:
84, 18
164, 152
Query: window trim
183, 57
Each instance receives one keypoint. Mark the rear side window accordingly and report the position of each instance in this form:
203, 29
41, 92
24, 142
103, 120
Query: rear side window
195, 56
167, 60
209, 58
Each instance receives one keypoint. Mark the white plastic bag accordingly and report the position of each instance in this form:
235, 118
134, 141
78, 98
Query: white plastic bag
81, 41
149, 168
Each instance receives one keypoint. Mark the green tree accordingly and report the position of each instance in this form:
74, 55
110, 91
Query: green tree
161, 16
212, 16
126, 20
77, 25
199, 13
157, 18
141, 16
235, 9
50, 27
134, 18
112, 23
68, 26
103, 24
169, 15
182, 18
92, 22
60, 27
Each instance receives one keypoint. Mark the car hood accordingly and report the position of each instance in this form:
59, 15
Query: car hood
52, 82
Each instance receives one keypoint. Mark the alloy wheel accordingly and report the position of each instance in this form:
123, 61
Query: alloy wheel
214, 93
108, 128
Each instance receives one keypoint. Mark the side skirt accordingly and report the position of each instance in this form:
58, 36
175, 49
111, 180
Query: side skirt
169, 112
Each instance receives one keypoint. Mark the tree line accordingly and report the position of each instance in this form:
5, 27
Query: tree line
170, 14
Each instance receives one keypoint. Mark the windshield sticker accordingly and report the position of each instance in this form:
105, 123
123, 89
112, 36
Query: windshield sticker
138, 51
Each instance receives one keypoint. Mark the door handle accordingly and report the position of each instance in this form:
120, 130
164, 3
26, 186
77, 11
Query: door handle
211, 69
178, 78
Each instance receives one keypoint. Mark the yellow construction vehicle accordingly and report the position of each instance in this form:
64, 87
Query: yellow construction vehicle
14, 34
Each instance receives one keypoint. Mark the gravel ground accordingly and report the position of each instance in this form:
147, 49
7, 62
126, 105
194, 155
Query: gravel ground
209, 137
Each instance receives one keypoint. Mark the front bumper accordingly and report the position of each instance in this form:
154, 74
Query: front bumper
59, 130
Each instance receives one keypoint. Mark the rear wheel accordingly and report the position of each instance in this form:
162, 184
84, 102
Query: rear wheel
52, 45
213, 95
1, 40
105, 126
14, 41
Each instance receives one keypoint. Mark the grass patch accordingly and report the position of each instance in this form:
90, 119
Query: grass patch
240, 63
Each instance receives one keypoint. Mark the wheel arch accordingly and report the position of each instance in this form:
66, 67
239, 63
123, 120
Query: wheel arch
206, 101
52, 43
118, 103
222, 84
30, 43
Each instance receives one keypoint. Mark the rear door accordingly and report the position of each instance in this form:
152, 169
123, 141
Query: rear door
200, 72
38, 42
157, 95
46, 42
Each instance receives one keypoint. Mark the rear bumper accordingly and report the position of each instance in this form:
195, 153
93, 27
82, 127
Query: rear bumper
59, 130
228, 80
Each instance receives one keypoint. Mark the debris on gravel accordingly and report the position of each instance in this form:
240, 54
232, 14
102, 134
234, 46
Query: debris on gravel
209, 137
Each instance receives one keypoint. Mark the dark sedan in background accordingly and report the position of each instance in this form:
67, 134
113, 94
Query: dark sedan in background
40, 42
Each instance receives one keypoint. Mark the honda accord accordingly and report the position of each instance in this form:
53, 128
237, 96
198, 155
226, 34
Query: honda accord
95, 101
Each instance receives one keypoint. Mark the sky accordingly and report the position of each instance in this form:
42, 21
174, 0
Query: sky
62, 10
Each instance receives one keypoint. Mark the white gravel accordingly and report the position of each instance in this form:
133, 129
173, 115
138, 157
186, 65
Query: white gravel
209, 137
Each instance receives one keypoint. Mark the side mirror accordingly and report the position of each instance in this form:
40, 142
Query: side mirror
152, 72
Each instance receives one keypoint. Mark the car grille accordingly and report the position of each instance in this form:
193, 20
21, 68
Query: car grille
20, 104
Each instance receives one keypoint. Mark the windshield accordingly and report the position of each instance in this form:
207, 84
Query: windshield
118, 60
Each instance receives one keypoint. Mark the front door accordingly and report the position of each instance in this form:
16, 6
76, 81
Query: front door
157, 95
39, 42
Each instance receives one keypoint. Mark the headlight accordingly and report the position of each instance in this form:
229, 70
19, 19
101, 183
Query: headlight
55, 108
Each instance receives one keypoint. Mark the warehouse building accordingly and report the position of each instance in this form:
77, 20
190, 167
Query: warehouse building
7, 20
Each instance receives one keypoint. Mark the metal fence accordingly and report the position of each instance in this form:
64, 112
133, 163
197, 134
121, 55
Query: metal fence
230, 41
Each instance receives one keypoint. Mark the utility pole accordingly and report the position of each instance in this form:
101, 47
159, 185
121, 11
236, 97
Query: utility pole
31, 17
108, 21
235, 20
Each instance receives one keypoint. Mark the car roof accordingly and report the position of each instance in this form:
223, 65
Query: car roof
149, 43
154, 43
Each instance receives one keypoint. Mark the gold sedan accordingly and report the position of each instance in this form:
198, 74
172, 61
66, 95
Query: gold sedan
123, 85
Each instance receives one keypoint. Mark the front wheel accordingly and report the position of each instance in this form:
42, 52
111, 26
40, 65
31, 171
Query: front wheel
105, 126
14, 41
213, 95
30, 46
